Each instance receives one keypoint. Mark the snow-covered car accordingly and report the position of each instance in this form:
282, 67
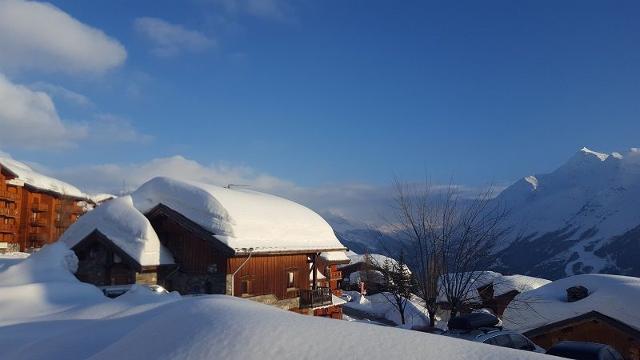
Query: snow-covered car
584, 351
484, 328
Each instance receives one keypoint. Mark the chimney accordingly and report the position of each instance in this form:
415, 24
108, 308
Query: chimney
576, 293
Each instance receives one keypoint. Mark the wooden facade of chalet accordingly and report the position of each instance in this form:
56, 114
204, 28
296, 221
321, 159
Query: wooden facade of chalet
30, 217
592, 327
497, 303
205, 265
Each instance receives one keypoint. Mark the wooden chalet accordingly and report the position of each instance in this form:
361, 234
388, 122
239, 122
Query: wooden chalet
192, 257
34, 209
592, 327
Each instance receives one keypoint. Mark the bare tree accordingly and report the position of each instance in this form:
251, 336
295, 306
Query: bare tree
450, 237
397, 284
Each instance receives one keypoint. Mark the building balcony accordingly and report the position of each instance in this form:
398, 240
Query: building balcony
8, 196
38, 207
69, 209
38, 223
315, 297
63, 223
8, 228
6, 212
37, 238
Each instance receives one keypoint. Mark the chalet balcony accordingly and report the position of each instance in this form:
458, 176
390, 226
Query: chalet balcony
8, 196
315, 297
11, 213
39, 208
7, 228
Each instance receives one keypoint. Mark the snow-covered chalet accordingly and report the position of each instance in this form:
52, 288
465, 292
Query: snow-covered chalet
199, 238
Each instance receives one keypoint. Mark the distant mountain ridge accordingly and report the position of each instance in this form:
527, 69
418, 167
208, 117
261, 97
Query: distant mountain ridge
583, 217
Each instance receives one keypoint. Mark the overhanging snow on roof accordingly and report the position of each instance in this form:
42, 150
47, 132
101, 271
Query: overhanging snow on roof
28, 176
240, 218
126, 227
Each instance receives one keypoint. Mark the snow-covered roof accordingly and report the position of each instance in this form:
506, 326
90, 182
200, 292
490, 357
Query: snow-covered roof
241, 218
374, 259
25, 174
335, 256
123, 224
502, 284
611, 295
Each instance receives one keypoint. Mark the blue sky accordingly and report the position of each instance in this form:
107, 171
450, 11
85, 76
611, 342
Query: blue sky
336, 92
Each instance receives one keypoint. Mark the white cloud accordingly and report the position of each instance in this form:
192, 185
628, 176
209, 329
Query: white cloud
35, 35
171, 39
355, 201
28, 119
62, 93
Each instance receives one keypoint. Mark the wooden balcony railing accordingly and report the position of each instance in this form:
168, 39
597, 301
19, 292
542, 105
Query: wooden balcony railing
315, 297
38, 222
69, 209
63, 223
8, 196
38, 207
6, 212
7, 228
38, 239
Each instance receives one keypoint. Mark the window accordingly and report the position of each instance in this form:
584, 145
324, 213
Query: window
291, 279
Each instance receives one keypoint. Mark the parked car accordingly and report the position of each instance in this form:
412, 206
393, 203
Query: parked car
485, 328
113, 291
584, 351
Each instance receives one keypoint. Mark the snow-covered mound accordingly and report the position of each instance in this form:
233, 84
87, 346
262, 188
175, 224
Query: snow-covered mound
123, 224
381, 306
581, 218
58, 317
27, 175
502, 284
612, 295
375, 260
241, 218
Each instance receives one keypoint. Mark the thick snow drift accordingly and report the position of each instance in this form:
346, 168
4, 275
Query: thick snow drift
611, 295
502, 284
26, 174
241, 218
123, 224
57, 317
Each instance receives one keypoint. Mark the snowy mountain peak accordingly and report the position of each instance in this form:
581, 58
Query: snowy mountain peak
580, 218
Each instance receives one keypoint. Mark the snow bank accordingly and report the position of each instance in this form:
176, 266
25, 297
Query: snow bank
381, 306
502, 284
123, 224
334, 256
611, 295
26, 174
241, 218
